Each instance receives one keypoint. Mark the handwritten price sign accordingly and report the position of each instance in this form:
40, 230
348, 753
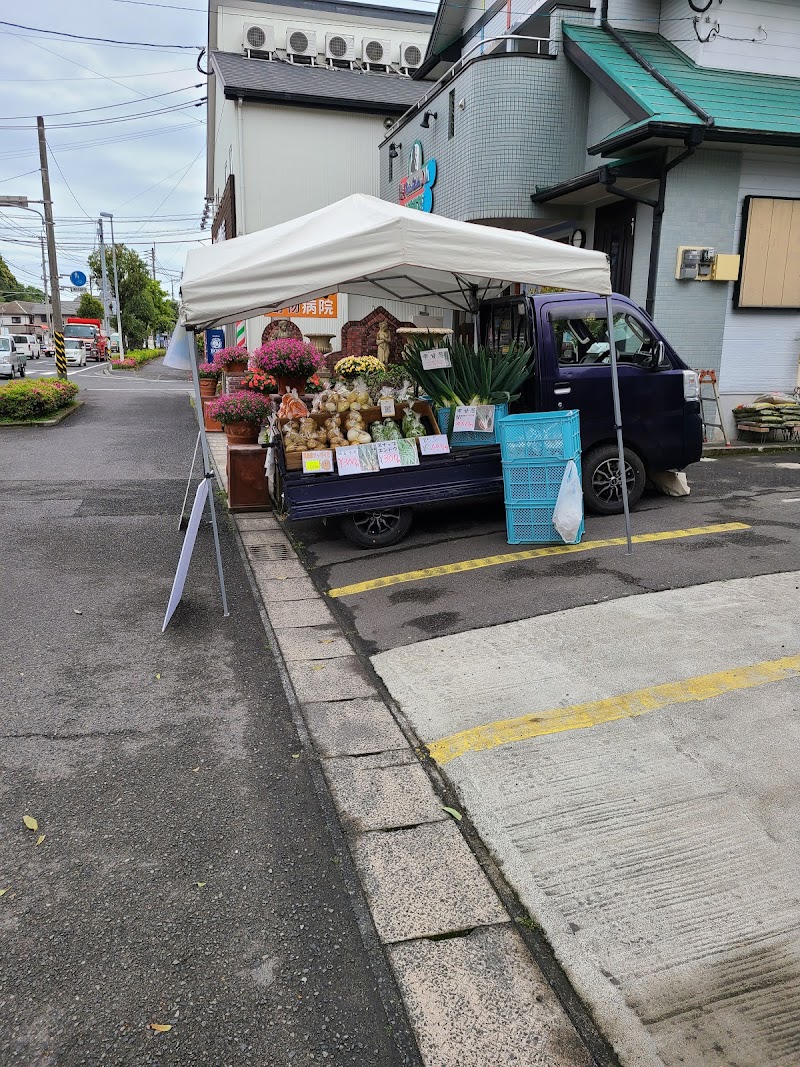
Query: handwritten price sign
435, 445
348, 460
465, 419
435, 359
388, 455
318, 462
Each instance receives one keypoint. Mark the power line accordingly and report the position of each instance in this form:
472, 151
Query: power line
99, 77
171, 7
116, 118
100, 40
72, 146
100, 107
61, 172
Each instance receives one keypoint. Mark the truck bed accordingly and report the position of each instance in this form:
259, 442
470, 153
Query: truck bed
463, 473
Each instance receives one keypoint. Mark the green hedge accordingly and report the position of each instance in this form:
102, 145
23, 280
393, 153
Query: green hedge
137, 358
32, 400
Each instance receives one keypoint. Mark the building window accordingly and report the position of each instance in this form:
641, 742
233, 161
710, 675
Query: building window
451, 113
15, 319
43, 318
770, 249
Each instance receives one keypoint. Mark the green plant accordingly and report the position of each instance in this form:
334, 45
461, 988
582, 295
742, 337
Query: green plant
32, 400
475, 377
90, 307
242, 406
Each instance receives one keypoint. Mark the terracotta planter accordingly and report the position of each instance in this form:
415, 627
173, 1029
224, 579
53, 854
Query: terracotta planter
285, 384
239, 366
208, 386
211, 425
242, 433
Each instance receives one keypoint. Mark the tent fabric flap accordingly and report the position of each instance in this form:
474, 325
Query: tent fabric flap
369, 247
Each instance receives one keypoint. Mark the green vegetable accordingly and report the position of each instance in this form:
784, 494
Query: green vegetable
391, 431
412, 424
378, 431
475, 377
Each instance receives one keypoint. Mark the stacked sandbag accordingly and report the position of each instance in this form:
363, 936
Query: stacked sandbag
772, 411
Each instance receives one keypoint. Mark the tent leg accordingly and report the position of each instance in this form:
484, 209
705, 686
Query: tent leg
208, 470
183, 519
612, 346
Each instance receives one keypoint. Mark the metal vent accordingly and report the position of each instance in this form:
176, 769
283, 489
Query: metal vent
411, 55
337, 46
298, 42
274, 552
373, 51
256, 38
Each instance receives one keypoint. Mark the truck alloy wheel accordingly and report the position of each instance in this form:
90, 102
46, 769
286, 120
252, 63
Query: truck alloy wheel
602, 485
377, 529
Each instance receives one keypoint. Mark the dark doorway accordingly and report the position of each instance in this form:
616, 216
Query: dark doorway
613, 234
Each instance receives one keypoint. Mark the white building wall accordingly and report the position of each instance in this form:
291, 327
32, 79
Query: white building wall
740, 44
633, 14
760, 349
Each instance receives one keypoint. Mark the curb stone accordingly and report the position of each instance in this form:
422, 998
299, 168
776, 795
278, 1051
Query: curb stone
423, 888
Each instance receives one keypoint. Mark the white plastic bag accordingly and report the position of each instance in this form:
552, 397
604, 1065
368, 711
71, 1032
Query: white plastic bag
568, 514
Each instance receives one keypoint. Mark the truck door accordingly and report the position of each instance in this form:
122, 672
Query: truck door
574, 335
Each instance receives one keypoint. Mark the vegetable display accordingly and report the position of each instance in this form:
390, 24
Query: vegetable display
475, 377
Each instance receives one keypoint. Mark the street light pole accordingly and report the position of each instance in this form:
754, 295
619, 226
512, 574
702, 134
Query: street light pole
22, 202
108, 215
58, 321
104, 274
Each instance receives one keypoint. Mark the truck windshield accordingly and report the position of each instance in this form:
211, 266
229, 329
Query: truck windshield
73, 330
581, 336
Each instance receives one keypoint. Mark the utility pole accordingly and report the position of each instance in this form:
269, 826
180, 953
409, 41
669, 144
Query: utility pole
109, 215
153, 257
58, 321
104, 274
47, 309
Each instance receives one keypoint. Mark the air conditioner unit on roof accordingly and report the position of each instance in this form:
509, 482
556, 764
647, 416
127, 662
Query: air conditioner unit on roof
340, 46
410, 55
376, 52
301, 43
259, 38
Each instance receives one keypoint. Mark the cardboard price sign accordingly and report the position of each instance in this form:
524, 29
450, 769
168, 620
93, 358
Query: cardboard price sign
357, 459
465, 419
397, 454
435, 359
318, 462
435, 445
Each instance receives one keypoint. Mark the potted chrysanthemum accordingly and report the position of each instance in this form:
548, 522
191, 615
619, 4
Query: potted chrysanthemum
242, 414
208, 373
232, 360
291, 363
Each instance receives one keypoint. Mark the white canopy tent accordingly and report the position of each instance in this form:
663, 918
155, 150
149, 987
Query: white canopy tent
369, 247
372, 248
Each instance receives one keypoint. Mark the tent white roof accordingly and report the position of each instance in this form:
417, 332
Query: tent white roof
372, 248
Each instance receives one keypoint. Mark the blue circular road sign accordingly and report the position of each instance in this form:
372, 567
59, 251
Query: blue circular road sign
78, 277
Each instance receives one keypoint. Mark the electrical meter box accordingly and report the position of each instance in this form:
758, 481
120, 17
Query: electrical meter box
701, 264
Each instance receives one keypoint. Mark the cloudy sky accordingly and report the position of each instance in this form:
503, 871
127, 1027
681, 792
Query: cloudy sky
148, 171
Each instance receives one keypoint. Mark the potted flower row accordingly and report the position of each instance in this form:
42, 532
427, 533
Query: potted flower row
277, 366
242, 415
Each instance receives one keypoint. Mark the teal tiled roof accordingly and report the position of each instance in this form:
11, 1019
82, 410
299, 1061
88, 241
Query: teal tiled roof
738, 101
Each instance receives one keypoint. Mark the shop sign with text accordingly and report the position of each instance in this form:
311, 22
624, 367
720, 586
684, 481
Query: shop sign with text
416, 190
324, 307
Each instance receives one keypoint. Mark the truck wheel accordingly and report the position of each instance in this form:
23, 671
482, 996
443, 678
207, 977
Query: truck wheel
377, 529
602, 486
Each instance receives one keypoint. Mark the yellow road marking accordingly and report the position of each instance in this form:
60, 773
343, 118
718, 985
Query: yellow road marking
624, 706
529, 553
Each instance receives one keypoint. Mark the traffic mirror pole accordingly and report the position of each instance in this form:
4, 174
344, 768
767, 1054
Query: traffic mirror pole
55, 292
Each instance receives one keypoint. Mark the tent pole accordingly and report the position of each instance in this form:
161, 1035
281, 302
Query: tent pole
208, 470
612, 347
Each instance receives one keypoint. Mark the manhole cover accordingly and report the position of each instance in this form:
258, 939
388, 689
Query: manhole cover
279, 551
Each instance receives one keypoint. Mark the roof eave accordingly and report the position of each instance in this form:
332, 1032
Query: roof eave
680, 130
343, 103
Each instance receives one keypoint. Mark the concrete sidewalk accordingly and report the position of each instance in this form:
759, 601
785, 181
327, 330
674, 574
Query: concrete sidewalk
632, 766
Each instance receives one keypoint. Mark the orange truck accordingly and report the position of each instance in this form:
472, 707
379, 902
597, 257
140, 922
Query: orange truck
90, 332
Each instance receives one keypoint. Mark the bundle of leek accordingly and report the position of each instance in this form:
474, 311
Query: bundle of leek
475, 377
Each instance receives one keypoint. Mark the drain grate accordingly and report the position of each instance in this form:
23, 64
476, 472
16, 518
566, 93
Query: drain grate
279, 551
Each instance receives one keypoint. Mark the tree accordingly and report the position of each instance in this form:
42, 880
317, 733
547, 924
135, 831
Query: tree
10, 288
89, 307
144, 306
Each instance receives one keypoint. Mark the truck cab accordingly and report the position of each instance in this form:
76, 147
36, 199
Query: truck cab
90, 333
568, 333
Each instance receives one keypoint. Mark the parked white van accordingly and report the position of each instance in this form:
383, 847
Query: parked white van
27, 344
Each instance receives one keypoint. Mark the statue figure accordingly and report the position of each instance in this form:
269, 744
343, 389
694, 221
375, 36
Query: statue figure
384, 340
283, 329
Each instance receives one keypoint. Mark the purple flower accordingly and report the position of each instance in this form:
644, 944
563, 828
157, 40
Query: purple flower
286, 358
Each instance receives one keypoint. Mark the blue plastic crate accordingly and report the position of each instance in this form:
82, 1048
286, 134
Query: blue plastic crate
535, 481
472, 438
540, 435
528, 524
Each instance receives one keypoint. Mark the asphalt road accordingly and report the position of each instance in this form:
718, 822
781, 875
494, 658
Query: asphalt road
187, 875
760, 491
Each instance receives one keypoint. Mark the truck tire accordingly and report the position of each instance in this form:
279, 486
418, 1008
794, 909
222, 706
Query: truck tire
602, 487
377, 529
